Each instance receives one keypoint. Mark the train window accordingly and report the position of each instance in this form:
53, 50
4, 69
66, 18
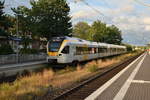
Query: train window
99, 50
78, 50
102, 49
86, 50
114, 49
95, 50
66, 50
105, 49
89, 50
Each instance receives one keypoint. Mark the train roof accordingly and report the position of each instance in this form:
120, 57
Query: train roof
75, 40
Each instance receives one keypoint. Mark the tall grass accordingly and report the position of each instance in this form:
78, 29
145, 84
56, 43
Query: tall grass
28, 87
37, 84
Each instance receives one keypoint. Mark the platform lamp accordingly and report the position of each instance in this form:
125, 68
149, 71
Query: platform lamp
17, 30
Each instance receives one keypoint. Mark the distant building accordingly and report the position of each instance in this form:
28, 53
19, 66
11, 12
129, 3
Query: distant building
39, 44
15, 42
148, 44
35, 44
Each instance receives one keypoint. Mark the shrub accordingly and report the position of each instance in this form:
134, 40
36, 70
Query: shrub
4, 86
6, 49
92, 68
26, 72
69, 68
129, 47
42, 50
29, 51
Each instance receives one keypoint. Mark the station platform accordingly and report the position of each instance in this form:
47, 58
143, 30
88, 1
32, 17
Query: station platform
132, 83
7, 66
13, 69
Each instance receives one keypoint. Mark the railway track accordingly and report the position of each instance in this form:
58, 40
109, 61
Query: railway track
81, 91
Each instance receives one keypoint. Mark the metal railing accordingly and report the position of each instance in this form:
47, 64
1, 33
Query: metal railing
22, 58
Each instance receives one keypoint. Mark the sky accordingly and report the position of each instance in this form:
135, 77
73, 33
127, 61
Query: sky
132, 17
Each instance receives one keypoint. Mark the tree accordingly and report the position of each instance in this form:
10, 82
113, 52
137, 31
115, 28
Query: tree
50, 18
1, 10
23, 18
82, 30
107, 34
5, 21
129, 47
113, 35
2, 20
99, 31
26, 41
45, 18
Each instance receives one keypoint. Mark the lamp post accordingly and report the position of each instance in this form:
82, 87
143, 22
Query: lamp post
17, 30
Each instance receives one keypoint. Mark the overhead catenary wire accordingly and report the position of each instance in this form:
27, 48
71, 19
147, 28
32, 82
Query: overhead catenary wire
99, 12
96, 10
142, 3
111, 21
93, 8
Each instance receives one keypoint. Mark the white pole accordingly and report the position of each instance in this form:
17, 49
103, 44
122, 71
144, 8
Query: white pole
17, 56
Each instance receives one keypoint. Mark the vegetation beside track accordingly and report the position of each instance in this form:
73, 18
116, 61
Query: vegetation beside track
38, 84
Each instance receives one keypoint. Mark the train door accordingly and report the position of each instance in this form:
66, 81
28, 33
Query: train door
67, 54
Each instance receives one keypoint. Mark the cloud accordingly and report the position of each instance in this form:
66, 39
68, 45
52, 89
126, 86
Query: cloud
122, 10
132, 20
83, 14
129, 16
146, 20
147, 28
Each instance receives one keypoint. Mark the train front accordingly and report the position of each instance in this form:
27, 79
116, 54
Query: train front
53, 49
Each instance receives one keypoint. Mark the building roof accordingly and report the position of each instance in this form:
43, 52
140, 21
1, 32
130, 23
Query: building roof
15, 38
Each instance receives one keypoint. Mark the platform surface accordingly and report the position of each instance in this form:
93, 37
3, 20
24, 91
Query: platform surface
132, 83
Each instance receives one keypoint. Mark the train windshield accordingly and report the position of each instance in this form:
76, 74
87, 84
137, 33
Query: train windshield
54, 46
55, 43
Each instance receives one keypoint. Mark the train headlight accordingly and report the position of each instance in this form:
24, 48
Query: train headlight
60, 55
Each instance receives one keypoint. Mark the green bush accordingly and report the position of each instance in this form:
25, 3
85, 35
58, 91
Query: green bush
4, 87
129, 47
6, 49
43, 50
92, 68
29, 51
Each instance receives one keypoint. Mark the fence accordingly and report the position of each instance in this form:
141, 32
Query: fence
12, 59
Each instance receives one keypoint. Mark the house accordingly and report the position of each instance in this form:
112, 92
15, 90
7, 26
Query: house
35, 44
16, 43
39, 44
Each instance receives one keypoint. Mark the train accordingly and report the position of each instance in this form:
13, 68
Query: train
64, 50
